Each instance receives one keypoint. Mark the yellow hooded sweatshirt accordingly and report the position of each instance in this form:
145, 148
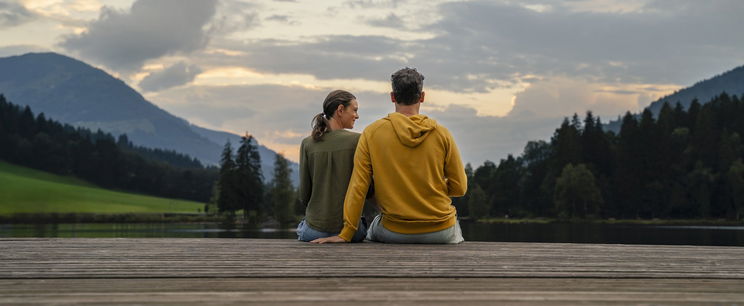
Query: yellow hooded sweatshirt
416, 169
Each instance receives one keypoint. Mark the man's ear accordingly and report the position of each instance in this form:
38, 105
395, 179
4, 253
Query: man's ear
421, 99
392, 97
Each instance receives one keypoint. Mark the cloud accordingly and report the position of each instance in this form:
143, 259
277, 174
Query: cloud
282, 19
562, 97
391, 21
497, 39
333, 57
482, 138
151, 29
365, 4
14, 14
234, 16
258, 109
176, 75
477, 46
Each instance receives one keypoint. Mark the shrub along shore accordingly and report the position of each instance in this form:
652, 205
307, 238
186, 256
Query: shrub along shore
722, 222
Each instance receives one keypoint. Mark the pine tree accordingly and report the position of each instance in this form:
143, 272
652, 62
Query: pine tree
282, 191
535, 159
505, 195
566, 143
248, 176
576, 193
228, 198
477, 203
626, 180
735, 182
462, 202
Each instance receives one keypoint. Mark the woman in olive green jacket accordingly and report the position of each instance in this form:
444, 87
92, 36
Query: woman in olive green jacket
326, 163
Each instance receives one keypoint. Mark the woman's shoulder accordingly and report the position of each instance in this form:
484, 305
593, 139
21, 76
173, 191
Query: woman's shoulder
308, 141
331, 138
341, 138
349, 134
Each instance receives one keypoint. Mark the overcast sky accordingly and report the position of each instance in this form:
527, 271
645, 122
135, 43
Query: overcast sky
498, 73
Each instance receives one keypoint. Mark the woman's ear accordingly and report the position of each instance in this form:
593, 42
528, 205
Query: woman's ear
340, 109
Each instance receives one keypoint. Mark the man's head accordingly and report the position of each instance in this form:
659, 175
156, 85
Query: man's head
408, 85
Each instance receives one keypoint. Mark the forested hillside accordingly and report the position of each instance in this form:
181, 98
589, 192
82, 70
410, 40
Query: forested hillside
686, 163
73, 92
40, 143
730, 82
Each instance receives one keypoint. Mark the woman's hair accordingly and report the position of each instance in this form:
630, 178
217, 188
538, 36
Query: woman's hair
331, 103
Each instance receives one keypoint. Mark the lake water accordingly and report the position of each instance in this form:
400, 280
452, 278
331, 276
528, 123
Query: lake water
568, 233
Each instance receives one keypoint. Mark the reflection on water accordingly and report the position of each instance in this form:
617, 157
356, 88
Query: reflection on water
562, 233
606, 233
141, 230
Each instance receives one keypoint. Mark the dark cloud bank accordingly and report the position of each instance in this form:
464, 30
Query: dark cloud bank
123, 41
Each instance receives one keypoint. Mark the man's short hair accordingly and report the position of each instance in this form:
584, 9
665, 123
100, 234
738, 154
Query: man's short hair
407, 86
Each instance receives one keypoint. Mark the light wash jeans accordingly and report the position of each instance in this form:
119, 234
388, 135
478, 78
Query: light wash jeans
307, 233
379, 233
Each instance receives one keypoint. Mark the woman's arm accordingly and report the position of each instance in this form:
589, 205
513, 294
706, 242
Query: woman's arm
306, 182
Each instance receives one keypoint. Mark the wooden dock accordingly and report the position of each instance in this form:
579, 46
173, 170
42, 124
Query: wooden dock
265, 271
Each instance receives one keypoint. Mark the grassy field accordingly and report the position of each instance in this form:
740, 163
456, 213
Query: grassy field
24, 190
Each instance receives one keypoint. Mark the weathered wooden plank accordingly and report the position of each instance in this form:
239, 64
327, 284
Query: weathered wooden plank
173, 258
239, 271
371, 291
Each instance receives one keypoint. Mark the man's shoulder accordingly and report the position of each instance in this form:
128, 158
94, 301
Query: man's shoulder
372, 127
440, 129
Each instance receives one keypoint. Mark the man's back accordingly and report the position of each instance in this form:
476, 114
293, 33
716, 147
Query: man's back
416, 168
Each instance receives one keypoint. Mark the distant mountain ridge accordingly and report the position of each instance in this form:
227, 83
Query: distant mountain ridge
731, 82
73, 92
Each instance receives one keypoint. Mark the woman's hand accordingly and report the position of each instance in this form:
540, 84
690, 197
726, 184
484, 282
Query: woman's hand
332, 239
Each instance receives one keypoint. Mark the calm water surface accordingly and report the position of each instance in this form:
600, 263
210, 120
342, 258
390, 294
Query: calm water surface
569, 233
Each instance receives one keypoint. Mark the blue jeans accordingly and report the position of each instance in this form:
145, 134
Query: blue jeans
377, 232
307, 233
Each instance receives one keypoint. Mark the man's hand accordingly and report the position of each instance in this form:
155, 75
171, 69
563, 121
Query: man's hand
332, 239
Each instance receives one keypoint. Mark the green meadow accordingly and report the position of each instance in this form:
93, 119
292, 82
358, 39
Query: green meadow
24, 190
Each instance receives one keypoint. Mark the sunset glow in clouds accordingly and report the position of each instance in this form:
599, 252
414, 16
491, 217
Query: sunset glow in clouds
498, 73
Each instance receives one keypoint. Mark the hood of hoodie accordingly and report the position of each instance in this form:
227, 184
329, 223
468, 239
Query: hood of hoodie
413, 130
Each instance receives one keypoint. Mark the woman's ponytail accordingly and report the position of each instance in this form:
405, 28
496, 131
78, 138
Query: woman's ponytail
320, 126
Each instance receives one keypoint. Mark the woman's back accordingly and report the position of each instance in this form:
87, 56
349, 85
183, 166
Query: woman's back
325, 169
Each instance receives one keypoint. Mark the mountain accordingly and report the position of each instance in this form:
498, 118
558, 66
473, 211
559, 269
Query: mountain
73, 92
731, 82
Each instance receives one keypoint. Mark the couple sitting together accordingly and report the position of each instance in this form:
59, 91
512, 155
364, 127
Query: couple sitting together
413, 162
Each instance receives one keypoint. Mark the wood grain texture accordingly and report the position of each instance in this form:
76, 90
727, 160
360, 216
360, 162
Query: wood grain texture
235, 271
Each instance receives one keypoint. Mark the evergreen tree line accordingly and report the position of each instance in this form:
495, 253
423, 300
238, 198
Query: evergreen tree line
170, 157
45, 144
241, 186
683, 164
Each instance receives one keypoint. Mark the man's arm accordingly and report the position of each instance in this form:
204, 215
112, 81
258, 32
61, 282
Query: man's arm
361, 178
454, 172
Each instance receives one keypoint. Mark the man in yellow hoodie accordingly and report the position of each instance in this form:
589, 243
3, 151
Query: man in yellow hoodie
416, 168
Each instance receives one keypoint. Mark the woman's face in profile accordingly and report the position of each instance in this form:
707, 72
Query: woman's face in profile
346, 116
